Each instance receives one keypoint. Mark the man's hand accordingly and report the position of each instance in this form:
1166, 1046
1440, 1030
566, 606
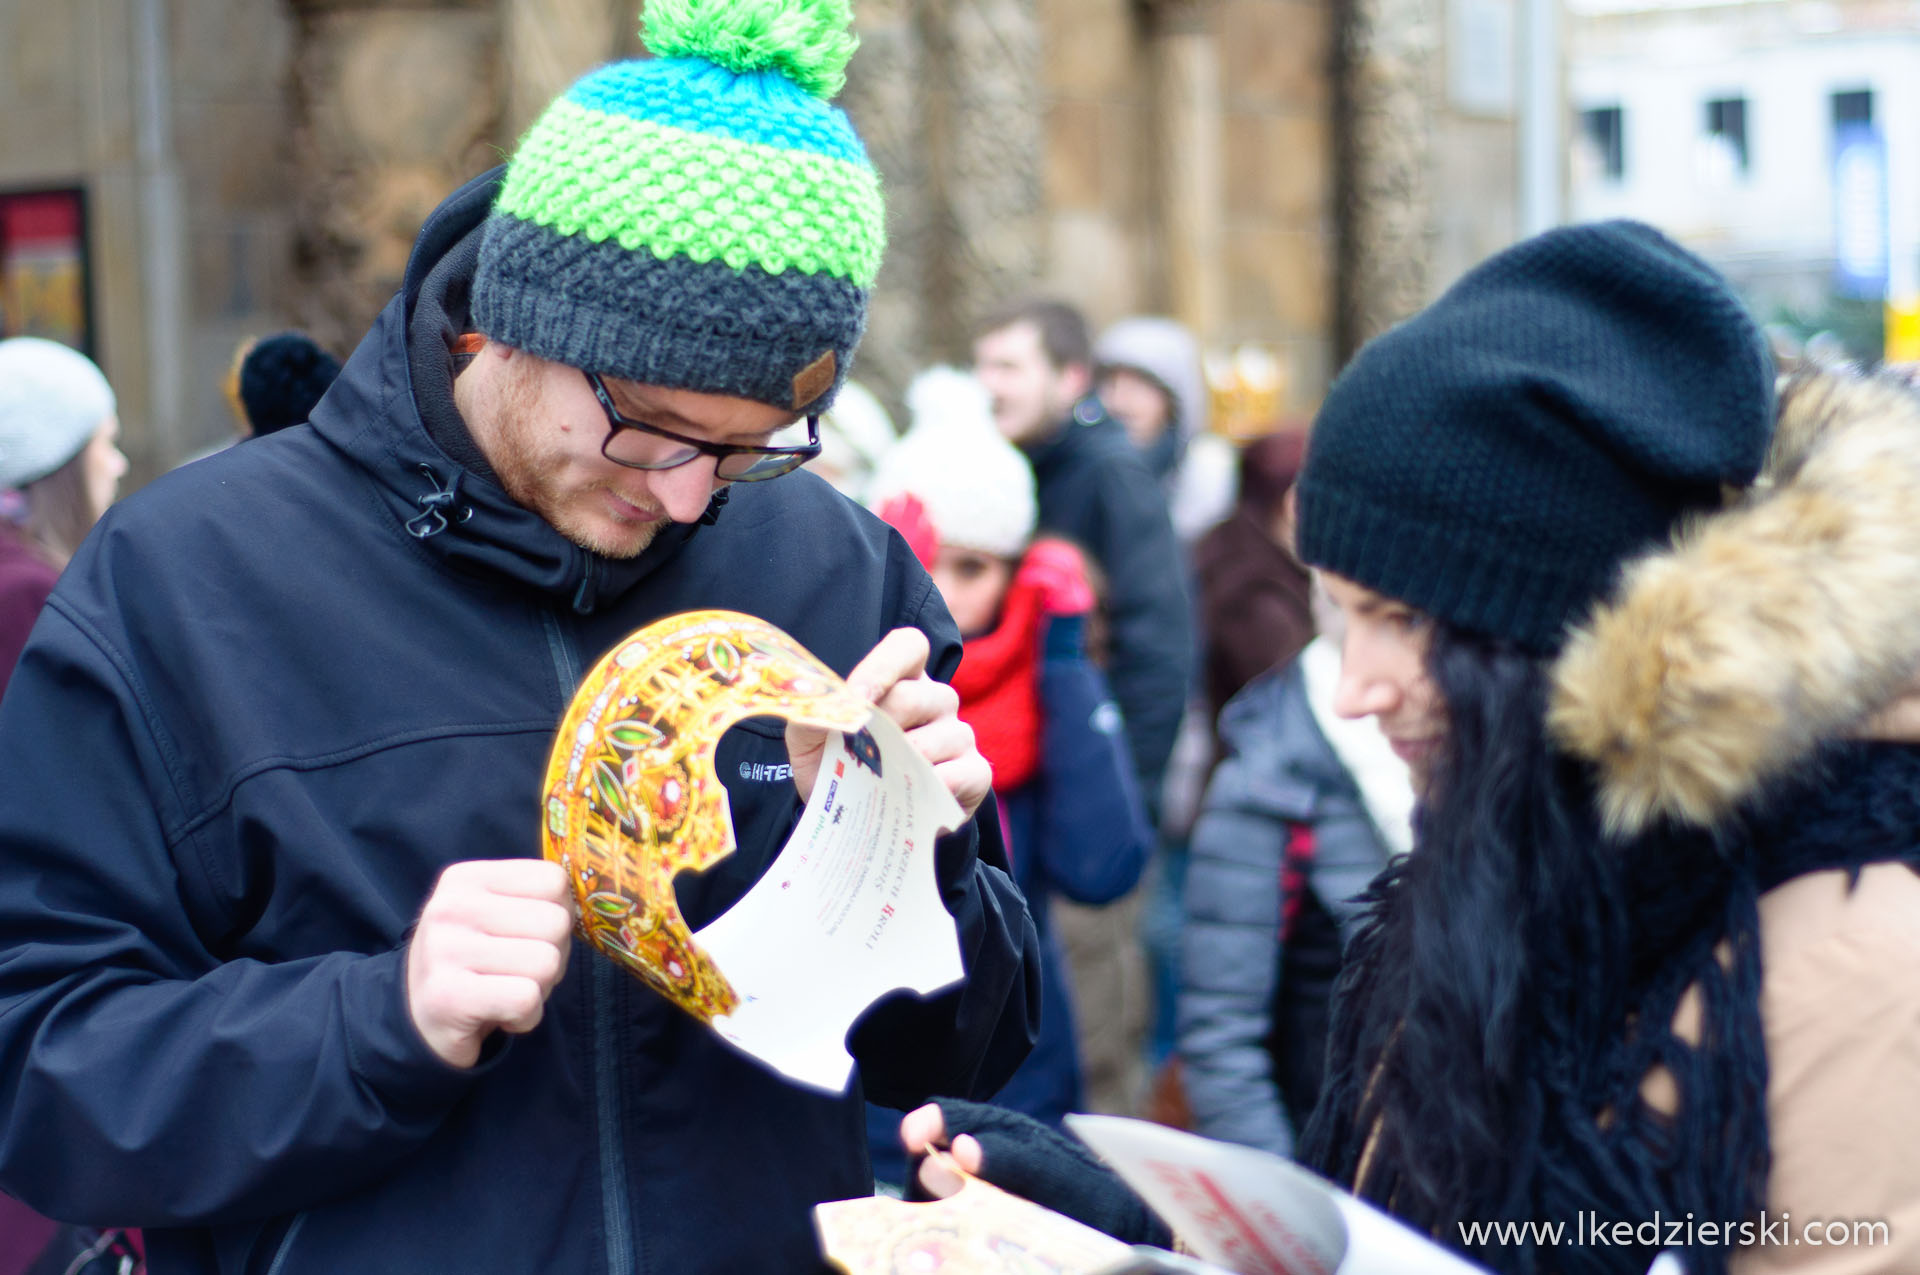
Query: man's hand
893, 676
491, 944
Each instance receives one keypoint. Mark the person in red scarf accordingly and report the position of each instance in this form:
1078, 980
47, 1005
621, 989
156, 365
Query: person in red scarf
963, 498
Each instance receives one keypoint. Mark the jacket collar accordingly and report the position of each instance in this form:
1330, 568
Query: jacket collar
1764, 631
462, 517
1088, 415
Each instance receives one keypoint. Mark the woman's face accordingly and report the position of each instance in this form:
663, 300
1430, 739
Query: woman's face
1383, 672
973, 583
103, 465
1143, 409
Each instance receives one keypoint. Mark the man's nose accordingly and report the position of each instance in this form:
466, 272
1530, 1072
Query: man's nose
685, 490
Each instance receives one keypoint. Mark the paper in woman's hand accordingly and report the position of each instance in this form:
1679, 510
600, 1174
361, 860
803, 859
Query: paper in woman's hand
1255, 1213
848, 912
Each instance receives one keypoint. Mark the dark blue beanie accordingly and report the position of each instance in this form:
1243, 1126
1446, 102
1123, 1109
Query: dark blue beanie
1494, 460
281, 378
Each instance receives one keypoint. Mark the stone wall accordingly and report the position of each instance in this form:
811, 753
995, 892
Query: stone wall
1281, 225
395, 107
1171, 156
1189, 171
173, 118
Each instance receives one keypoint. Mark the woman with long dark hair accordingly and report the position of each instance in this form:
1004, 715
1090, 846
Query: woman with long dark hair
1654, 956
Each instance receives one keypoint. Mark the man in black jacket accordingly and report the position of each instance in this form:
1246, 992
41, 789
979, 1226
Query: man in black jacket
1036, 360
283, 978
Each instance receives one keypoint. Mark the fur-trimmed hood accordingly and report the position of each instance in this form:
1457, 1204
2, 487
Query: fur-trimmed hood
1781, 621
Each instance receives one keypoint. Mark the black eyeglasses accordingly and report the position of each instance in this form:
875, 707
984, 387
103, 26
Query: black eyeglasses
626, 445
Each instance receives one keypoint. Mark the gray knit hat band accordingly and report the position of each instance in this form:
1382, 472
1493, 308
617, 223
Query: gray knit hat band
781, 339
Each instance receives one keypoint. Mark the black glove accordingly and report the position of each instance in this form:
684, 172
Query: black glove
1051, 1168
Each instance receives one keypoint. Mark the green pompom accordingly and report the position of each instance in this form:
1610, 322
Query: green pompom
808, 41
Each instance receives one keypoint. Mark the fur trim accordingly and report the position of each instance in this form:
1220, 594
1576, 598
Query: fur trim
1768, 627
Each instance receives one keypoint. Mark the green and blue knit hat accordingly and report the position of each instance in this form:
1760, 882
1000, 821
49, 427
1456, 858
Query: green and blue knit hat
704, 219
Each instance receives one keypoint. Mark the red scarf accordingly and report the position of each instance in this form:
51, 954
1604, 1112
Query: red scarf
999, 684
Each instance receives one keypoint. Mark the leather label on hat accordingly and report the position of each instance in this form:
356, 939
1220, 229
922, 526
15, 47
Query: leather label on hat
813, 380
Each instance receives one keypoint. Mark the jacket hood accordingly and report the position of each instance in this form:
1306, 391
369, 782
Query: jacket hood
1766, 628
374, 413
1168, 353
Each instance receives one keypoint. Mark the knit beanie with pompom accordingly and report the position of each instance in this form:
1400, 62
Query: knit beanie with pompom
972, 485
704, 219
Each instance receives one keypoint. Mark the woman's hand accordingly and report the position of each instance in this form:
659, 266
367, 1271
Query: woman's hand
925, 1129
1020, 1155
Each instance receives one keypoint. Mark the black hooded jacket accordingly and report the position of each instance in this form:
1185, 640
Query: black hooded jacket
1095, 490
278, 691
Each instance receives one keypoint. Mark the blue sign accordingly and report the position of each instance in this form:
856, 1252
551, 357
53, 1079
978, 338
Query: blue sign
1860, 210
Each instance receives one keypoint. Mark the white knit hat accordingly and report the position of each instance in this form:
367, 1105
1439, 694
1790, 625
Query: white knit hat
52, 401
975, 486
854, 434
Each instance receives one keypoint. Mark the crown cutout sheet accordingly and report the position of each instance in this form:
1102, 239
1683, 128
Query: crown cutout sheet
1238, 1211
980, 1230
847, 912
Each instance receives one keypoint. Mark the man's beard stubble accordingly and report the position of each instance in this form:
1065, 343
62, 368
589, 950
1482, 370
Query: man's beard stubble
526, 465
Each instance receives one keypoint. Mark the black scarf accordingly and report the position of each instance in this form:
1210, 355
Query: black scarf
1534, 1113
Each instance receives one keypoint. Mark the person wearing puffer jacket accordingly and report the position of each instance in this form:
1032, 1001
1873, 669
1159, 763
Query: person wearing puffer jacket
1303, 811
1040, 710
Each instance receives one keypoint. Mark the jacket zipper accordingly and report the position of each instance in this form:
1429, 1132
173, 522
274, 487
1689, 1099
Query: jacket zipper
285, 1246
608, 1110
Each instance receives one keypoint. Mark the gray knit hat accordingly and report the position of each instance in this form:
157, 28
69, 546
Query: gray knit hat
52, 401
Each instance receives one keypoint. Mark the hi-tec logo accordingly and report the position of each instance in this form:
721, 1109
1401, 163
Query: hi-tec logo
766, 772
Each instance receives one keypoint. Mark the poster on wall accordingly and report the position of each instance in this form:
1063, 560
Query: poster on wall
44, 267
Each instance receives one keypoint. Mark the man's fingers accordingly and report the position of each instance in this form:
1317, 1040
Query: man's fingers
522, 878
513, 1004
968, 779
900, 655
970, 1155
943, 740
917, 701
509, 916
487, 955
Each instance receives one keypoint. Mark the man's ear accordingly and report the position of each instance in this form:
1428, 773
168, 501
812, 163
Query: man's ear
1076, 380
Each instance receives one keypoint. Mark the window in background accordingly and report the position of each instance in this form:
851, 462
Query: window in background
1855, 106
1727, 126
1604, 130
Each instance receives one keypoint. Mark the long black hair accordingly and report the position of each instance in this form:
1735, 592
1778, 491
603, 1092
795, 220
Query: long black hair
1513, 986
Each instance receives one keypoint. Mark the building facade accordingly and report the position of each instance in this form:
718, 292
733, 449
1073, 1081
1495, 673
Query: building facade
1780, 138
1290, 175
